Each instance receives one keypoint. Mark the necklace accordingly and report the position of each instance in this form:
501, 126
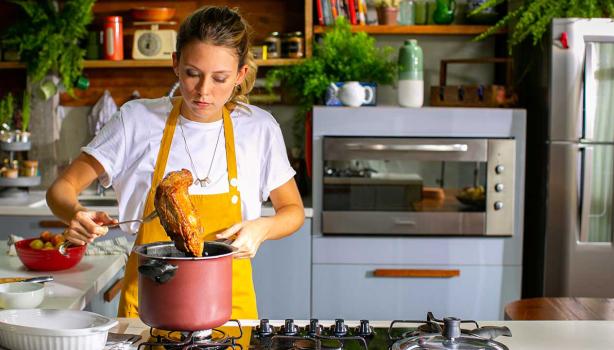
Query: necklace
204, 181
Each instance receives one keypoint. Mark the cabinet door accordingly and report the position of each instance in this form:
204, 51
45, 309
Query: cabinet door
281, 272
353, 292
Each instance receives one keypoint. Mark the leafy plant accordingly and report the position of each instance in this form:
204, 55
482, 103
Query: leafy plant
532, 17
340, 56
48, 39
7, 109
25, 111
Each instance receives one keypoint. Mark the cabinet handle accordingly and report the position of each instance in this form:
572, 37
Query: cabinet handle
51, 224
414, 273
113, 290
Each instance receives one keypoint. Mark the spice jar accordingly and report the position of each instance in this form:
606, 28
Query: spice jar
29, 168
292, 45
273, 44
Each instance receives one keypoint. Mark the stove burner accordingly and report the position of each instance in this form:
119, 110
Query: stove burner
210, 339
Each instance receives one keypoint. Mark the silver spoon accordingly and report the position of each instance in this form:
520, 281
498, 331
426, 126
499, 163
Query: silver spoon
62, 247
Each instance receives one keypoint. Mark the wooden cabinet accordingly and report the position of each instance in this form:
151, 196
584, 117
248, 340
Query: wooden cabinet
282, 276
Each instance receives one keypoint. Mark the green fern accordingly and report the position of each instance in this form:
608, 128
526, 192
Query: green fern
48, 39
533, 17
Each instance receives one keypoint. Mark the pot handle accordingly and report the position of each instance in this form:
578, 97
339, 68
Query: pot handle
158, 270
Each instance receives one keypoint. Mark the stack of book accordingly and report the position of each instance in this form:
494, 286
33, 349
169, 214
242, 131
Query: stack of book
354, 10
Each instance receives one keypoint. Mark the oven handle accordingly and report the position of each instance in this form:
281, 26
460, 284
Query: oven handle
458, 147
416, 273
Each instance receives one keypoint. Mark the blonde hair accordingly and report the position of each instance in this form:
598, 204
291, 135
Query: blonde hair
222, 26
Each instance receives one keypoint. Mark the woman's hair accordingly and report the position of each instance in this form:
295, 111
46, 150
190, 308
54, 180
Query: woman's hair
222, 26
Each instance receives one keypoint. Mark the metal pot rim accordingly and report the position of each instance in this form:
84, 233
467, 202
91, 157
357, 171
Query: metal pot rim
139, 249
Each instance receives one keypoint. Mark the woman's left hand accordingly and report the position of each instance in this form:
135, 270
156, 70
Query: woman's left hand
250, 234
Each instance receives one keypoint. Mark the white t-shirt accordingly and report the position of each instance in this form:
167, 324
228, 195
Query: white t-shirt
127, 147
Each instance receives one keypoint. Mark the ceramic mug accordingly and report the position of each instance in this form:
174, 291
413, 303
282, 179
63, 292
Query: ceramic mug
353, 94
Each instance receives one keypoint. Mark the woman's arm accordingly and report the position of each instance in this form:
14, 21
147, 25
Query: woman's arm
83, 225
289, 217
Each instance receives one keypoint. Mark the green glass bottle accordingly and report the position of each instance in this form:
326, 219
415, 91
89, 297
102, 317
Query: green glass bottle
411, 81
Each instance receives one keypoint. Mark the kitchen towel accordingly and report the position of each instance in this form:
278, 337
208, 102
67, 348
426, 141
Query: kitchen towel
101, 113
114, 246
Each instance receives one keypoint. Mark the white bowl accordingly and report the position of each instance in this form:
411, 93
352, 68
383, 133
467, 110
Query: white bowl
44, 329
21, 295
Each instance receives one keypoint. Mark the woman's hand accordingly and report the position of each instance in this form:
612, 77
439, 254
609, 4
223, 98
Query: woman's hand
84, 227
250, 234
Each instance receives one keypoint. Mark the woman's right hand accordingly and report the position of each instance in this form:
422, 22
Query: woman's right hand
85, 226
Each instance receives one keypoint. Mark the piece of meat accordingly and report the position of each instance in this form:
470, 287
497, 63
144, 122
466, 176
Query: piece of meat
178, 215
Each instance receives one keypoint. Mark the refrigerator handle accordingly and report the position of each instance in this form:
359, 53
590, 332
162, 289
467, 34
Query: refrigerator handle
586, 190
590, 92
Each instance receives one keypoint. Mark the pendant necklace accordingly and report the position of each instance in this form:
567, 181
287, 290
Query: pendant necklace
203, 182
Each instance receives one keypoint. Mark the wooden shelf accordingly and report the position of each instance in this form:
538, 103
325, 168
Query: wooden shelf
452, 29
152, 63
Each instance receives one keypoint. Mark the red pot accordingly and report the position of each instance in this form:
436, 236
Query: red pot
182, 293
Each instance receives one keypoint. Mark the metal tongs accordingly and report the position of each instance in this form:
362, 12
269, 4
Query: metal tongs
154, 214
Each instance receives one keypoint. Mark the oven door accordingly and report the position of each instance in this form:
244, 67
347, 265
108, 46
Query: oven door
418, 186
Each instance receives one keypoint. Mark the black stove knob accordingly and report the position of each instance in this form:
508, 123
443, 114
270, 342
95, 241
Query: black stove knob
364, 329
339, 329
289, 328
314, 327
265, 329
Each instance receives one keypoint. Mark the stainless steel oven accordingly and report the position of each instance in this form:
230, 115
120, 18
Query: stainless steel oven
418, 186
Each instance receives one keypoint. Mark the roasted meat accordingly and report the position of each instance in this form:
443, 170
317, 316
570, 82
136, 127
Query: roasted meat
178, 215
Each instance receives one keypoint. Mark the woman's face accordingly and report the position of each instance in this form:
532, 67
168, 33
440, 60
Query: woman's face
208, 75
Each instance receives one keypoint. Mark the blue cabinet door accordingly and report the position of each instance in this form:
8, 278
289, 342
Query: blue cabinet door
282, 276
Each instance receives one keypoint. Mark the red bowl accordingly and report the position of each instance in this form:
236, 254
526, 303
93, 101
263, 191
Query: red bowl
153, 14
48, 259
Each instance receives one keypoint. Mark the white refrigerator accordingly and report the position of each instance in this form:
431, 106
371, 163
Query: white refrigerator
579, 255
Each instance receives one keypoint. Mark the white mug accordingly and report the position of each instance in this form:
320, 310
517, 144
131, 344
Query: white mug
353, 94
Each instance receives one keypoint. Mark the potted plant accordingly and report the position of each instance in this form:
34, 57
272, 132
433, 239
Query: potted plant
48, 40
532, 18
7, 110
340, 56
387, 11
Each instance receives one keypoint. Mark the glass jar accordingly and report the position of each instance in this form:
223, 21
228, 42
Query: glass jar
29, 168
273, 44
292, 45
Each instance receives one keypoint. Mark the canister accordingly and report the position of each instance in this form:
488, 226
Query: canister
113, 40
411, 81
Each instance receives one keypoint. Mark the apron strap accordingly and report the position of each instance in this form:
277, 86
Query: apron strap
231, 158
165, 144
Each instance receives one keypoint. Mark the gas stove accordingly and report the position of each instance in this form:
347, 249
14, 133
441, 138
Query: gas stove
432, 333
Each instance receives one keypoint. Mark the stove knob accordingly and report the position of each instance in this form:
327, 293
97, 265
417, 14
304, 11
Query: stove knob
499, 187
364, 330
314, 328
339, 329
265, 329
451, 328
289, 328
499, 169
498, 205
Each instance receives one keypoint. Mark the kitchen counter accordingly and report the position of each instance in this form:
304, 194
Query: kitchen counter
73, 288
35, 205
526, 335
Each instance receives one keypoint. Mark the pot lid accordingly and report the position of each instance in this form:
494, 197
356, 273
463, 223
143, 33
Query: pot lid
447, 334
435, 341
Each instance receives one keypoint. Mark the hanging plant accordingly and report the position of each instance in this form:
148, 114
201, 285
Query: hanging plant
48, 39
533, 17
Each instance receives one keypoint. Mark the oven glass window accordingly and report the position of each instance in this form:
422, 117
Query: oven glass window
404, 185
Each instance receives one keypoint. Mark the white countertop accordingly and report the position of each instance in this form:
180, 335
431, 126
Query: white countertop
526, 335
73, 288
35, 205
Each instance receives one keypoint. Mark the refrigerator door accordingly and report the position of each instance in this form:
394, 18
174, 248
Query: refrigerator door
580, 221
582, 64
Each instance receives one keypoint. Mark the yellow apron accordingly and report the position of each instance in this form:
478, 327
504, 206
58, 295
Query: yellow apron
218, 212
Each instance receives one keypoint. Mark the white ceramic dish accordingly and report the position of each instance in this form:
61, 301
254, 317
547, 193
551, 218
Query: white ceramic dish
21, 295
41, 329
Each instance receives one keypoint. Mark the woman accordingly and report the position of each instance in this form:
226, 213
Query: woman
235, 152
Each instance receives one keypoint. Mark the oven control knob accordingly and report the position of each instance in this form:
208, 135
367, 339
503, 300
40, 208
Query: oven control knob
314, 328
289, 328
499, 187
265, 329
364, 330
339, 329
499, 169
498, 205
